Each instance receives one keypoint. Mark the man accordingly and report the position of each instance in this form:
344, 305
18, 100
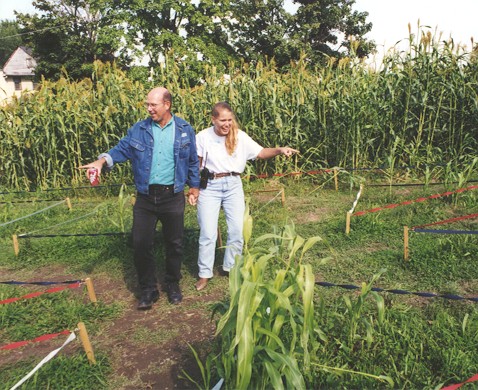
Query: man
162, 151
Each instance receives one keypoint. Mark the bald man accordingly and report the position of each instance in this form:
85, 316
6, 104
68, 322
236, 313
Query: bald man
162, 151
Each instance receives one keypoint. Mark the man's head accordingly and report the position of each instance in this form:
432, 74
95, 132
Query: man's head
158, 104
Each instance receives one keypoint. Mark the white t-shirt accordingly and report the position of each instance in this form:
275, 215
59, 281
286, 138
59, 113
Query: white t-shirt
212, 148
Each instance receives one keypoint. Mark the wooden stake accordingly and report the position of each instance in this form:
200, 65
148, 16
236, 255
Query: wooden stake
405, 243
282, 197
16, 247
68, 203
336, 179
347, 222
86, 343
91, 290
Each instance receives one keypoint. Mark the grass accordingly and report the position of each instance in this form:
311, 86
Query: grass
359, 336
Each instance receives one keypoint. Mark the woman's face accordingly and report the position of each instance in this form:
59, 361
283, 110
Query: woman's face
223, 122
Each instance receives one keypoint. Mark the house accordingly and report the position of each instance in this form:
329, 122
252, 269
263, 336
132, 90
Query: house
17, 74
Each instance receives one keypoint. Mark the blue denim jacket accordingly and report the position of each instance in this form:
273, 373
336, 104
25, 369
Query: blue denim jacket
137, 146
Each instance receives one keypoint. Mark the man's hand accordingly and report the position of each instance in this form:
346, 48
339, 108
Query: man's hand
98, 164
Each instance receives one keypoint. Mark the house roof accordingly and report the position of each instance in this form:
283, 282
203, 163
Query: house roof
20, 63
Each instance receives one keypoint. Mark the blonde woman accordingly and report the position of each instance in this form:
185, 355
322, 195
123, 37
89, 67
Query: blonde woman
223, 151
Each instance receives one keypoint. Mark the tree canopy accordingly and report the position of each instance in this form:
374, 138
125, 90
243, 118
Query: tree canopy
71, 34
10, 39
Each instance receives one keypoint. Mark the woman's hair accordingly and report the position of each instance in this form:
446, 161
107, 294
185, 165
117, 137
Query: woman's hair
231, 137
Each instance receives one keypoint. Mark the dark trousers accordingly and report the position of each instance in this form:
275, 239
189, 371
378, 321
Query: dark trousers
167, 207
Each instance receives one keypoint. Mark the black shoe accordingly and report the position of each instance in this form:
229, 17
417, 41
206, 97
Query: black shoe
174, 293
147, 299
222, 272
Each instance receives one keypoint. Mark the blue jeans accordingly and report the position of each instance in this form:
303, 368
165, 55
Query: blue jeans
228, 193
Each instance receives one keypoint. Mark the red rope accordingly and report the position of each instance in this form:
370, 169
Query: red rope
447, 220
45, 337
456, 386
392, 206
36, 294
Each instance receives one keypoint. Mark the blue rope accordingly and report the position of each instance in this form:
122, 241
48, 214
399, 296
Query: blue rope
67, 188
42, 283
400, 292
71, 235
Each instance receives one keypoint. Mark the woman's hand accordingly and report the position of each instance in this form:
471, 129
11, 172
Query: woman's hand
286, 151
193, 195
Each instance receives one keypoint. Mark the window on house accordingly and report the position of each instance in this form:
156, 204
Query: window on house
18, 83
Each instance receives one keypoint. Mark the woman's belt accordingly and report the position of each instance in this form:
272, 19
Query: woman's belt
222, 174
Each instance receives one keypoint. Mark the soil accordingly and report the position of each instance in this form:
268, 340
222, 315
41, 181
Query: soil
146, 349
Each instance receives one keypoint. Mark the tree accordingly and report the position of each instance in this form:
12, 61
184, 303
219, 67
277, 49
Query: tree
327, 28
261, 29
191, 32
70, 35
319, 29
9, 39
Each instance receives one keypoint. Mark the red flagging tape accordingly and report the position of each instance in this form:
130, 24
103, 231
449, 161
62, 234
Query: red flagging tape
36, 294
407, 202
456, 386
447, 221
45, 337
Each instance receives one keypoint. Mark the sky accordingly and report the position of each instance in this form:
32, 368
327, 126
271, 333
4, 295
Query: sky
390, 18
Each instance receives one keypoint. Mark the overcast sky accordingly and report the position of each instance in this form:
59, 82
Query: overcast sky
390, 18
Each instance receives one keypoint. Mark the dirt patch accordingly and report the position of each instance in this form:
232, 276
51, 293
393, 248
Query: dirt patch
146, 349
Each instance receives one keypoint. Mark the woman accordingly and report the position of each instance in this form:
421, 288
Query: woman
223, 151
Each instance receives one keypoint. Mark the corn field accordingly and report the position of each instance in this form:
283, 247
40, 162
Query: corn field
419, 109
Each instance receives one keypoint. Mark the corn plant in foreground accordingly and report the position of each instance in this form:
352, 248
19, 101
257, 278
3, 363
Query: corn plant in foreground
266, 330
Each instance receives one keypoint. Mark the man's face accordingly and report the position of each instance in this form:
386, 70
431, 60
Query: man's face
223, 122
158, 109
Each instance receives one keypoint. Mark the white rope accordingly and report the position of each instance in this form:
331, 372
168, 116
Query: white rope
36, 212
59, 224
356, 199
279, 193
218, 384
47, 358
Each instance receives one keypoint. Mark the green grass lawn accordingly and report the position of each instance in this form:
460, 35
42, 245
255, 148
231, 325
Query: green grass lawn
417, 343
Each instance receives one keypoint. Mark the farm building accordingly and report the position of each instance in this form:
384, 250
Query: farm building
17, 74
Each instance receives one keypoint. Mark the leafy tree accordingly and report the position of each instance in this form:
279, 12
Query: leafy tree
319, 29
191, 32
261, 29
9, 39
69, 35
327, 28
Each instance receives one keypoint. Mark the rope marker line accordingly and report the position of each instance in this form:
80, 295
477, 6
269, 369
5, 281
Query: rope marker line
36, 294
447, 221
458, 385
30, 201
41, 283
36, 212
356, 199
400, 292
47, 358
96, 209
435, 231
73, 235
45, 337
68, 188
408, 202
